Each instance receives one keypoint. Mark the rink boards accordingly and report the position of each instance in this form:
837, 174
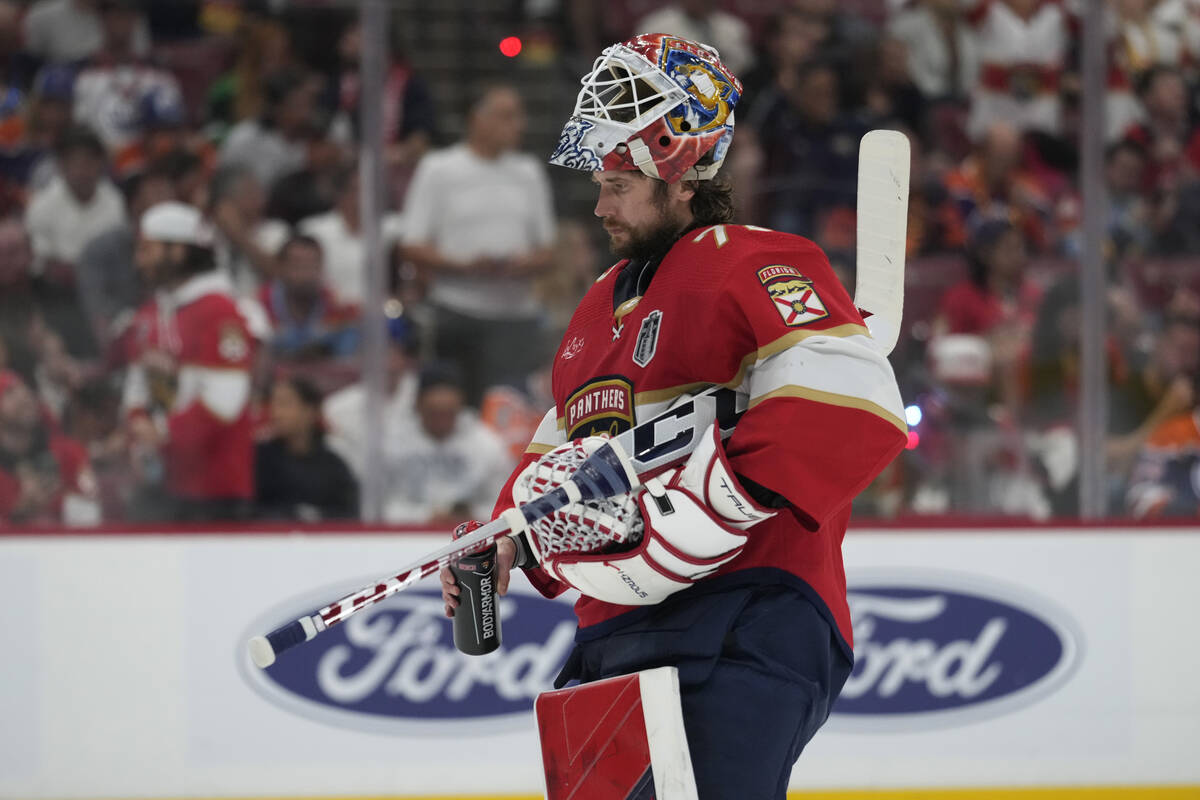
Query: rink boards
1053, 661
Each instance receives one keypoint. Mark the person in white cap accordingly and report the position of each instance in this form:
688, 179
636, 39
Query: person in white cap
188, 394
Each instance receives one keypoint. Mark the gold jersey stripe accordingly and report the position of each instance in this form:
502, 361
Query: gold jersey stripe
761, 354
829, 398
538, 449
788, 339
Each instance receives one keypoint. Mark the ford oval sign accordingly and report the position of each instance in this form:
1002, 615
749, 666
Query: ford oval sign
941, 649
394, 667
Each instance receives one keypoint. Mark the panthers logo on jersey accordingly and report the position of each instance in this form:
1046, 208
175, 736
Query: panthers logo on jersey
792, 294
601, 407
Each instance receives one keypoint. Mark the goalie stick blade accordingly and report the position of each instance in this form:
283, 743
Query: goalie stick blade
882, 227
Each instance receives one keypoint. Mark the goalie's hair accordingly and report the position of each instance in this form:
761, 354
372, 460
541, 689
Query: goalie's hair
712, 203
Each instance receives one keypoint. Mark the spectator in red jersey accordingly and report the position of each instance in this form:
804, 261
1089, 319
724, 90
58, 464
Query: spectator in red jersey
308, 320
997, 291
189, 393
297, 476
44, 476
1023, 47
991, 184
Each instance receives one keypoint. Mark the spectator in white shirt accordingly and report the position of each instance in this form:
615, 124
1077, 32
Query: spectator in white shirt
478, 219
340, 234
60, 31
276, 144
77, 205
942, 55
444, 465
114, 85
345, 411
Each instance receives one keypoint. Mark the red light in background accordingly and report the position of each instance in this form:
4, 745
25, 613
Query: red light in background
914, 439
510, 46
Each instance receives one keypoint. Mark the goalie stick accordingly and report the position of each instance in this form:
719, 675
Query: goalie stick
662, 442
618, 466
882, 224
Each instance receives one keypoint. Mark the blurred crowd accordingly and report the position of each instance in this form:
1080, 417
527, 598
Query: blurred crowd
183, 279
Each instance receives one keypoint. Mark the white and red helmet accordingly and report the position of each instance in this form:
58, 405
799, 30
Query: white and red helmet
656, 103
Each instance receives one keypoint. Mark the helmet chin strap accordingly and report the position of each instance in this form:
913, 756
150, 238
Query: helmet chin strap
640, 153
641, 156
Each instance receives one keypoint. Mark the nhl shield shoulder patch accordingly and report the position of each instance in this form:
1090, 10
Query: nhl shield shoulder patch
792, 294
647, 338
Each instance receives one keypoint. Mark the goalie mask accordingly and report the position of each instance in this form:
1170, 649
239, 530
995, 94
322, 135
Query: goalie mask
656, 103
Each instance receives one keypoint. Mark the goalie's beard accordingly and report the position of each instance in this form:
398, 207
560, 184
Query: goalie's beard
647, 245
652, 240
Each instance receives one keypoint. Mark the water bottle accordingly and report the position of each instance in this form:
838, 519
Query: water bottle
477, 618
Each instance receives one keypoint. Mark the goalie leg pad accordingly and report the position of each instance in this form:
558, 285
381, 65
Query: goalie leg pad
616, 739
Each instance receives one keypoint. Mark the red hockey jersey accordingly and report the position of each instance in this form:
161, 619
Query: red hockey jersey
209, 453
762, 312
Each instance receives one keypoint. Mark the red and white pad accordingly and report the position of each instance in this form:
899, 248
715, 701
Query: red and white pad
617, 739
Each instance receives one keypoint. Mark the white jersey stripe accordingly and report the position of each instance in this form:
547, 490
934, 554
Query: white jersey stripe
548, 435
847, 372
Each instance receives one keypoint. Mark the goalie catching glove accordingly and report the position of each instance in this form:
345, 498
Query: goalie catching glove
637, 549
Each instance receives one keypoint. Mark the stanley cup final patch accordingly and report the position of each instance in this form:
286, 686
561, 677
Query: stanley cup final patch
647, 338
792, 294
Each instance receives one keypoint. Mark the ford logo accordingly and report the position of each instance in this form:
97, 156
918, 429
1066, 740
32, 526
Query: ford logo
394, 667
940, 649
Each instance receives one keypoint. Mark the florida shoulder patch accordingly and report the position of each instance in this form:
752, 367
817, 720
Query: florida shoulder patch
792, 294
